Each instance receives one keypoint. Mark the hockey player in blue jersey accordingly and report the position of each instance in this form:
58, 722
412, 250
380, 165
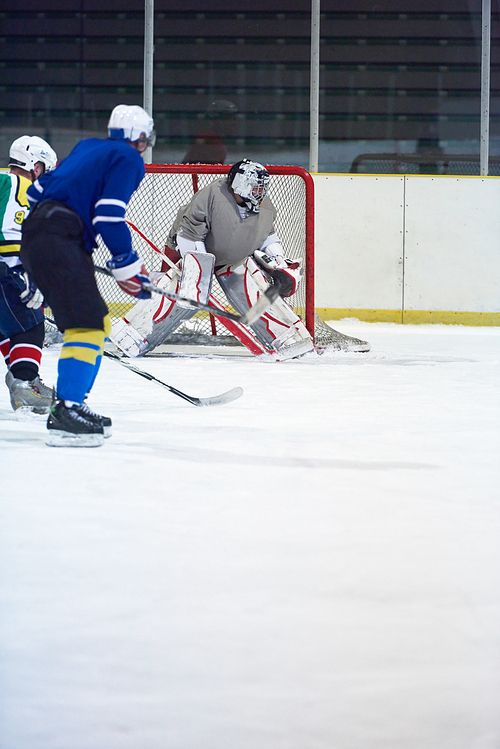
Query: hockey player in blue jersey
86, 195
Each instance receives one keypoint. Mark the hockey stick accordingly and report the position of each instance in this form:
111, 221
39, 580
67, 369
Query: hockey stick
259, 308
214, 400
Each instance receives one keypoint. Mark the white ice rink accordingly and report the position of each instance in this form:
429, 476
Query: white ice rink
314, 566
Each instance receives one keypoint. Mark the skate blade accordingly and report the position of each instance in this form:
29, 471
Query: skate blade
58, 438
42, 411
25, 413
37, 408
107, 432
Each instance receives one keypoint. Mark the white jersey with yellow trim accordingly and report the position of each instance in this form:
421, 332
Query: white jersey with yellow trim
14, 208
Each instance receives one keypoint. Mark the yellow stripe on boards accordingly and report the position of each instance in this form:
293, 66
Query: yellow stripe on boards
412, 317
365, 315
119, 309
475, 319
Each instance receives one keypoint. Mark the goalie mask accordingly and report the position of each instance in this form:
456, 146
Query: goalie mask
29, 150
249, 180
131, 123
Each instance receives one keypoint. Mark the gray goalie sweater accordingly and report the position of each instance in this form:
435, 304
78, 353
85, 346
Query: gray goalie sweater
213, 217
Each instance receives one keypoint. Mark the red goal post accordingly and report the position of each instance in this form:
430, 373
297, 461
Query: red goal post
165, 187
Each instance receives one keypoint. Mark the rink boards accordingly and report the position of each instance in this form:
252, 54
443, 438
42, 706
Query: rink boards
399, 248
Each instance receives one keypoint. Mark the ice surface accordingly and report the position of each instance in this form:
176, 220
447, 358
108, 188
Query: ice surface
313, 566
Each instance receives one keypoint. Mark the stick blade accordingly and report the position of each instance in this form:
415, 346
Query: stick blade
219, 400
261, 305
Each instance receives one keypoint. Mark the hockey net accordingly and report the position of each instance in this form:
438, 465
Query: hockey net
152, 210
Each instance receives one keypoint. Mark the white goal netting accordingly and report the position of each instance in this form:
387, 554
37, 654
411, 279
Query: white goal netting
152, 210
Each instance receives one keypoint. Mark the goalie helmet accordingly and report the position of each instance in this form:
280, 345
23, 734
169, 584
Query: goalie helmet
131, 123
249, 180
28, 150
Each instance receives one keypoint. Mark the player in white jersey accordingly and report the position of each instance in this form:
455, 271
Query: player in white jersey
21, 316
227, 230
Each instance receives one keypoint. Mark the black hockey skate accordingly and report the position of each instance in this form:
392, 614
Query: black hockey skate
104, 421
69, 426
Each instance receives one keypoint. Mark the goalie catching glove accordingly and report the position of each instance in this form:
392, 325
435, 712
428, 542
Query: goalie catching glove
285, 273
130, 274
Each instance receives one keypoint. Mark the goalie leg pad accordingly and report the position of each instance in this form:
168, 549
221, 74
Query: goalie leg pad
145, 312
155, 319
196, 278
280, 329
137, 332
127, 338
167, 325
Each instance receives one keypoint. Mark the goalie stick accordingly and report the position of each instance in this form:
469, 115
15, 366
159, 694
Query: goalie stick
254, 313
214, 400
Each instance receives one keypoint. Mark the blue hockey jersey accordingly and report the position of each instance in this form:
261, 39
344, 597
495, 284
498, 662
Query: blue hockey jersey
97, 180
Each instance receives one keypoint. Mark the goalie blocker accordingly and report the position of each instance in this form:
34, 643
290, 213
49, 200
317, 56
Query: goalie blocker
278, 335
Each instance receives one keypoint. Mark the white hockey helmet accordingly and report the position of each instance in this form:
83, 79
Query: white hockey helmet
131, 123
249, 180
28, 150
